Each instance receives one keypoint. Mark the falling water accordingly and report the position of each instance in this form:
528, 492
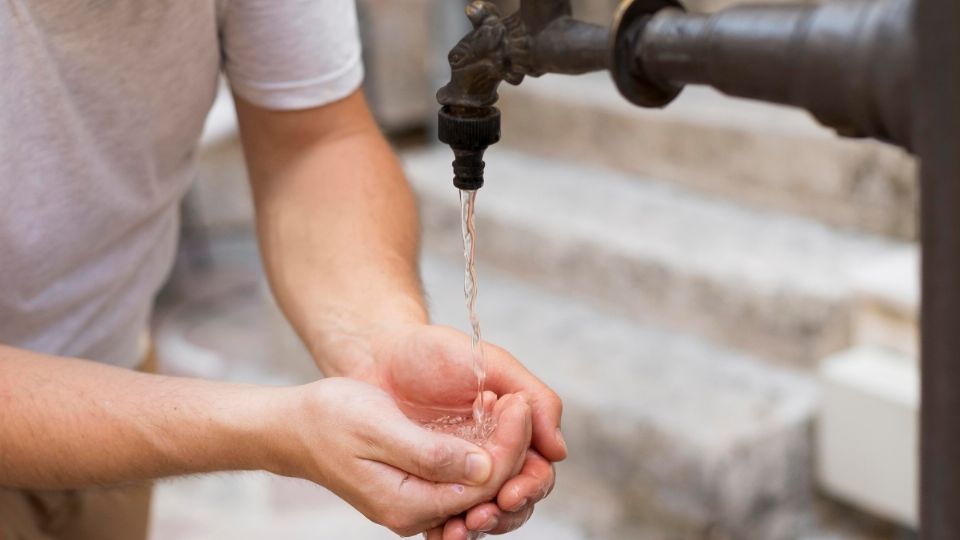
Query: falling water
468, 200
478, 428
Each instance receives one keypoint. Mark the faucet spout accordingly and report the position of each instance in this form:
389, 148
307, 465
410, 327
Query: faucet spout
541, 37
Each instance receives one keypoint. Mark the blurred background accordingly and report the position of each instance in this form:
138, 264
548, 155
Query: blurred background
724, 294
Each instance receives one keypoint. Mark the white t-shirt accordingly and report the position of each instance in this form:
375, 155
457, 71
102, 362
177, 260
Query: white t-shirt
101, 107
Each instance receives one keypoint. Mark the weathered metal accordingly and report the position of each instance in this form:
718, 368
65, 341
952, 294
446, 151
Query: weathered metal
541, 37
848, 63
937, 135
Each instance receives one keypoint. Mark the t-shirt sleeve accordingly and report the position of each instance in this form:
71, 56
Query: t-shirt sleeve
291, 54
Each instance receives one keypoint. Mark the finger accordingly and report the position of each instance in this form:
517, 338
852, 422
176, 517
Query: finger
534, 482
435, 533
489, 400
455, 529
409, 515
511, 521
484, 517
438, 457
516, 498
507, 375
507, 446
547, 437
489, 518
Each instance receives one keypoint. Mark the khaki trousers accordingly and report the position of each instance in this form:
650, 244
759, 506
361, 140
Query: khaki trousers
109, 513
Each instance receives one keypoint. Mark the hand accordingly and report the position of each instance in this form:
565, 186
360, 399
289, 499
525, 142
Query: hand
428, 371
386, 466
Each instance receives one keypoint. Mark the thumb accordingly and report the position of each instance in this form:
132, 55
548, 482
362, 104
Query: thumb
437, 457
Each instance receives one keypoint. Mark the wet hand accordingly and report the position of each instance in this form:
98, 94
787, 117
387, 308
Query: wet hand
428, 370
491, 518
352, 438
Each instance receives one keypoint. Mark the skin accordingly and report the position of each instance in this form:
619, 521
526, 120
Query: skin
338, 230
70, 423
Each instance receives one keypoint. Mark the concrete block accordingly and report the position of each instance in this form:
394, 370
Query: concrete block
762, 155
771, 284
867, 431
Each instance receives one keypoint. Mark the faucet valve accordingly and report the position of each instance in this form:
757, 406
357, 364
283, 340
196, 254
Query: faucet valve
540, 37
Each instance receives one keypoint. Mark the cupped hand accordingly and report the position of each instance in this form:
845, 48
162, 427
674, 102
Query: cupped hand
428, 370
388, 467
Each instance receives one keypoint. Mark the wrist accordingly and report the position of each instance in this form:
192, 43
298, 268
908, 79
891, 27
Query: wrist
292, 447
345, 341
250, 424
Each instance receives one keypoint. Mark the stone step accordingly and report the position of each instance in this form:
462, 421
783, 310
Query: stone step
778, 286
888, 303
669, 436
763, 155
252, 506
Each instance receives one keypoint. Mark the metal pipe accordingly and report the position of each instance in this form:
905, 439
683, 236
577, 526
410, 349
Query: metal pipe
570, 47
937, 131
848, 63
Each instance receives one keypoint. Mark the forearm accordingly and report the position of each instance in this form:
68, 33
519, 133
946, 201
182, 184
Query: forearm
71, 423
339, 234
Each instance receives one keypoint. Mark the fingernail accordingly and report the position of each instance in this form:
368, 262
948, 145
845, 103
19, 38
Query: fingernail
490, 524
560, 440
478, 468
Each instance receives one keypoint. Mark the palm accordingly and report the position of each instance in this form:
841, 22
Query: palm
428, 370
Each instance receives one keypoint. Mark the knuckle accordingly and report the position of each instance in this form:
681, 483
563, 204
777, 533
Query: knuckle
438, 457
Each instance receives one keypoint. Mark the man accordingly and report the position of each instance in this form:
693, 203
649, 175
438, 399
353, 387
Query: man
101, 107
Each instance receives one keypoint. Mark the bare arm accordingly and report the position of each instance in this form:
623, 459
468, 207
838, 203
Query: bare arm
72, 423
337, 225
68, 423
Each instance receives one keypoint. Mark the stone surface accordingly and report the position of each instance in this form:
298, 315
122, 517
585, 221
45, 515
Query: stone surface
772, 284
888, 303
764, 155
398, 56
255, 506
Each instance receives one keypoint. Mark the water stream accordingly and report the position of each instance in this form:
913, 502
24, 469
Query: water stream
468, 201
479, 427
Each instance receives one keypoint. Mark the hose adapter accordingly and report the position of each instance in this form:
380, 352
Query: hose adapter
468, 131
